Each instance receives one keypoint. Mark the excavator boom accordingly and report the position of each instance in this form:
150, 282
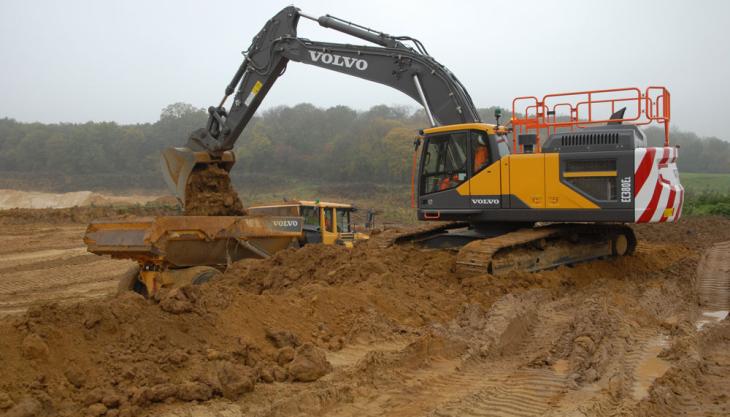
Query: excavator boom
407, 69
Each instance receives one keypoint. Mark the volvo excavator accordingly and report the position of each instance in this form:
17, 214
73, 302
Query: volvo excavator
556, 185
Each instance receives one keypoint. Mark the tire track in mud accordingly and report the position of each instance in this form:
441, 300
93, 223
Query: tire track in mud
41, 259
499, 384
526, 388
713, 277
24, 238
445, 389
523, 392
518, 390
58, 275
646, 366
46, 263
508, 383
423, 390
629, 372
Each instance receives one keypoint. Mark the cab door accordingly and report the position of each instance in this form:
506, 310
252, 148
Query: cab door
485, 186
312, 222
328, 225
444, 173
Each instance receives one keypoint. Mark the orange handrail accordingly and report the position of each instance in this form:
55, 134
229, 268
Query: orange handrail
650, 106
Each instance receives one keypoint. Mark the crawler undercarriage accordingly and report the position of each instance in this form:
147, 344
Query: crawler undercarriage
520, 247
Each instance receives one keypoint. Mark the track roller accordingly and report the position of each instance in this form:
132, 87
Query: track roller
545, 247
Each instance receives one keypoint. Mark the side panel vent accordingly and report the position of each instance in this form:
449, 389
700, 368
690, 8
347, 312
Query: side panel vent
590, 139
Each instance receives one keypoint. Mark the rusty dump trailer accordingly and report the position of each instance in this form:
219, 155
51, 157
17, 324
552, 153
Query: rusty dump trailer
178, 250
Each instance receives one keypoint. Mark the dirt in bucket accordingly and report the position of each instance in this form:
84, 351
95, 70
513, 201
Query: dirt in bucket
210, 193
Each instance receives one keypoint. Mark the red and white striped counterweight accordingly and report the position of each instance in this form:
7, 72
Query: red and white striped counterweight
658, 194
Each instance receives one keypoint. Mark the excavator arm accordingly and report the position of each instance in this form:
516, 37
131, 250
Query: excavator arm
407, 69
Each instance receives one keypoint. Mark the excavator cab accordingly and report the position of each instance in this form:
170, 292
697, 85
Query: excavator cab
452, 155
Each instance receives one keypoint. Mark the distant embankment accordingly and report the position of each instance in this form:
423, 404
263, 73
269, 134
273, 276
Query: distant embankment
130, 182
61, 183
10, 199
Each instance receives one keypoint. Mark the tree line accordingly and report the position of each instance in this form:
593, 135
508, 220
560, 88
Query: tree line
304, 141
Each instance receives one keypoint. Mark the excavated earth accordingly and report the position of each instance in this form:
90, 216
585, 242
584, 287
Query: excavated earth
209, 192
371, 331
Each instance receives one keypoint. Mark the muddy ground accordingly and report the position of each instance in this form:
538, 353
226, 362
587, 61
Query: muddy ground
369, 331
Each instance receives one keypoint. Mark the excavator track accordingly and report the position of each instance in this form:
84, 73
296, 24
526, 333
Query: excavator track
544, 248
423, 232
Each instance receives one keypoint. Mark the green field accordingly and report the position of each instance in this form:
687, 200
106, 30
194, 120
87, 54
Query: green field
700, 182
706, 193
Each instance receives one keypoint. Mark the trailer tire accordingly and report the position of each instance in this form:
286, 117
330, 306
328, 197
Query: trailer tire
128, 280
195, 275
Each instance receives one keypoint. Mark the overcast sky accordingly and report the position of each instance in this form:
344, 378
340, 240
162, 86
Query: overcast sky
123, 61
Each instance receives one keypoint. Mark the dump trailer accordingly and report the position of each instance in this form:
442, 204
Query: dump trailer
178, 250
324, 222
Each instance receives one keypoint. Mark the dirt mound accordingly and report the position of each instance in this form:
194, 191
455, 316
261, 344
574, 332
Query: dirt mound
217, 340
13, 199
83, 215
209, 192
379, 331
335, 264
698, 232
129, 353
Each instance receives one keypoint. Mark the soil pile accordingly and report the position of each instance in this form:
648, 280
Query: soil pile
128, 354
334, 264
209, 192
381, 331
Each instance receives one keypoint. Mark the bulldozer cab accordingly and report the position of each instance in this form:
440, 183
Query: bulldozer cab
324, 222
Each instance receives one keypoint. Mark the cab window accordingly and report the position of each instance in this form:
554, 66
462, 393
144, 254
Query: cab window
328, 220
503, 147
444, 162
480, 151
343, 220
311, 216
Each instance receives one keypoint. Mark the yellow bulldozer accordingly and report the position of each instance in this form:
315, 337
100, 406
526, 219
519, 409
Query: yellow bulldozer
324, 222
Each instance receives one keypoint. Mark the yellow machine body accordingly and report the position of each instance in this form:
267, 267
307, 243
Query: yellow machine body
324, 222
579, 177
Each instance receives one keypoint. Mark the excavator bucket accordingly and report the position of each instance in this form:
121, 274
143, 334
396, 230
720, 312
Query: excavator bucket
178, 163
